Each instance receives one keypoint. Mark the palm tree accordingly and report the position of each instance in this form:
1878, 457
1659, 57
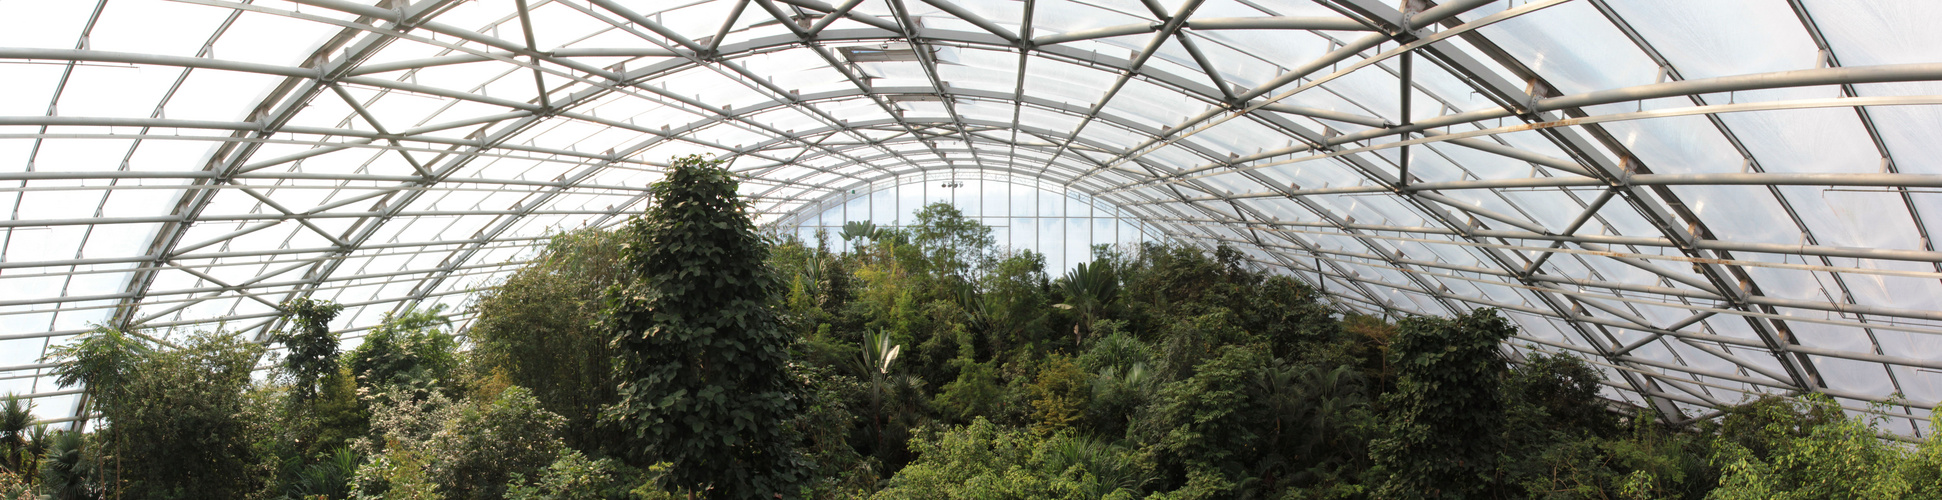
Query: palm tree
330, 478
1306, 404
37, 442
877, 356
813, 276
1110, 467
856, 231
1089, 289
67, 472
16, 418
1118, 391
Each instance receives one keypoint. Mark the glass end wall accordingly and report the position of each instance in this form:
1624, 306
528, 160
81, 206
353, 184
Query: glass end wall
1023, 213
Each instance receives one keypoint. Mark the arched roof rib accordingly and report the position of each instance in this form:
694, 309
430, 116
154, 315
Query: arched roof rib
1544, 190
1562, 307
1803, 179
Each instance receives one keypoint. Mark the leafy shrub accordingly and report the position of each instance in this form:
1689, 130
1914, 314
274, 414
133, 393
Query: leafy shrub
1207, 431
1060, 395
475, 452
976, 392
397, 474
407, 355
572, 476
983, 460
405, 422
1808, 448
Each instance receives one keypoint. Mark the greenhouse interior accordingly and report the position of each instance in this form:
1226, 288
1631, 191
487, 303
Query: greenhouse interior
942, 249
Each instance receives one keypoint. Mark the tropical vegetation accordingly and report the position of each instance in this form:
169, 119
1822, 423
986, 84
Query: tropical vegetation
688, 354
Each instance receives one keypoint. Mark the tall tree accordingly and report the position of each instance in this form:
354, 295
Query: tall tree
954, 244
703, 363
103, 363
178, 420
320, 412
409, 354
1445, 417
310, 350
537, 329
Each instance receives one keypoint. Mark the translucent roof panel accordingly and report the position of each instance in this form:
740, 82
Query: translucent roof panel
1708, 200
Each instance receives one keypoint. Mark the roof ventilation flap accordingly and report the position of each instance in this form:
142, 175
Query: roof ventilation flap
802, 21
885, 52
895, 51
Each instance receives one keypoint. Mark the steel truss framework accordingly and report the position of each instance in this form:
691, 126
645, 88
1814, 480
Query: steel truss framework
1703, 223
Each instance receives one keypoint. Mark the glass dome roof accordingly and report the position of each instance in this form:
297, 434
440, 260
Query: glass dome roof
1762, 228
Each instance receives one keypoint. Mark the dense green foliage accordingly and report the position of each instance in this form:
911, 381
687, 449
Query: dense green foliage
21, 440
319, 412
1806, 448
685, 355
703, 365
983, 460
182, 425
1443, 423
538, 329
410, 353
309, 348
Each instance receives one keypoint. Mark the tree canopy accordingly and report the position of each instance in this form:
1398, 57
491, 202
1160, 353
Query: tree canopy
703, 363
686, 353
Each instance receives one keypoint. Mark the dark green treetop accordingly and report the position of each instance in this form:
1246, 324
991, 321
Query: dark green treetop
703, 363
310, 350
954, 244
408, 354
100, 361
537, 329
178, 419
1445, 416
